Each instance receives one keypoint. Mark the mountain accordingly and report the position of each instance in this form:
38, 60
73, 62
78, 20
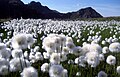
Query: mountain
86, 13
44, 10
17, 9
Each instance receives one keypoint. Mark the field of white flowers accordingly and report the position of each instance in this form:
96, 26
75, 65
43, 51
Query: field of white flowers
57, 48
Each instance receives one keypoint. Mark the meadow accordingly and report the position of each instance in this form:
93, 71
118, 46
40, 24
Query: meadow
59, 48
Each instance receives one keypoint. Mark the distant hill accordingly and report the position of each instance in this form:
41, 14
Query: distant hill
17, 9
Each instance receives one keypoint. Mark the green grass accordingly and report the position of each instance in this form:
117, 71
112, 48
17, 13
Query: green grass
4, 20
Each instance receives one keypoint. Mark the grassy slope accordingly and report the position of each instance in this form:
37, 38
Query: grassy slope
102, 19
4, 20
87, 19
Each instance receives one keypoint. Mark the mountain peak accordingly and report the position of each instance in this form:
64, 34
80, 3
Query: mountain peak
35, 3
89, 8
19, 2
88, 12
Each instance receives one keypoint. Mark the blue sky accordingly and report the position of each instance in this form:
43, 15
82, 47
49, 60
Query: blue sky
104, 7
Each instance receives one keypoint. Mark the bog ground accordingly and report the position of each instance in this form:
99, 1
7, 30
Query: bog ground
58, 48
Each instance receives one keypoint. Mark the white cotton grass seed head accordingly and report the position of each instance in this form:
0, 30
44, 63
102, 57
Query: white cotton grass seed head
17, 53
65, 50
114, 40
26, 55
111, 60
58, 49
2, 46
63, 57
45, 67
38, 56
17, 64
78, 40
114, 47
105, 50
69, 39
55, 58
92, 58
85, 48
56, 71
95, 48
102, 74
64, 73
84, 43
36, 49
56, 40
118, 69
50, 51
47, 43
76, 60
103, 42
82, 61
77, 50
3, 62
70, 45
70, 62
29, 72
95, 41
101, 57
5, 40
62, 38
8, 43
49, 46
5, 53
78, 74
31, 55
30, 39
46, 55
4, 70
19, 41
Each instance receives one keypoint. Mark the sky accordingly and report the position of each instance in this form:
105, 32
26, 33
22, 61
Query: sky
104, 7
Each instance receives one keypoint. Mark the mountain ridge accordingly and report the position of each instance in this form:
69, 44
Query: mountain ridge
17, 9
